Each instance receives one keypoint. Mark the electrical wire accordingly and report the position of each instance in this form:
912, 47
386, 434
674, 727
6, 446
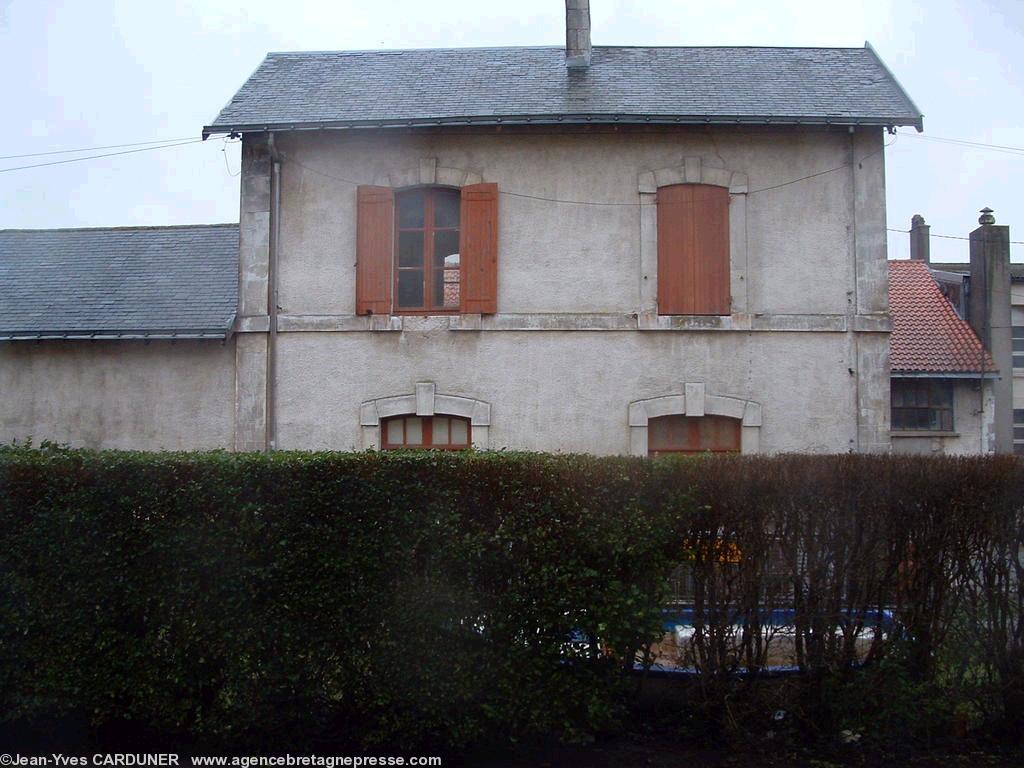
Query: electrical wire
93, 157
946, 237
966, 143
93, 149
599, 202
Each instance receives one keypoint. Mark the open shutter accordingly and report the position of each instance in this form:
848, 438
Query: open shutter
693, 250
479, 248
374, 249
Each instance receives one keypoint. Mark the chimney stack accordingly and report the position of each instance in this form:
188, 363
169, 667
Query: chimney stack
990, 317
920, 248
577, 34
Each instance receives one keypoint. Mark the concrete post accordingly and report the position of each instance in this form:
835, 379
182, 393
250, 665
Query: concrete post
989, 315
577, 33
920, 246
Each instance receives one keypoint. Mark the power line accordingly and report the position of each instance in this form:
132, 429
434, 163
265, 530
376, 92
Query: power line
93, 149
966, 143
93, 157
946, 237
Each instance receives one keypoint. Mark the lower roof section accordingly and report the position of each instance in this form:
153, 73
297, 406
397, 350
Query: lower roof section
119, 283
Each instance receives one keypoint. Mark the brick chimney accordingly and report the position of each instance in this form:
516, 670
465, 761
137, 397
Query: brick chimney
920, 247
989, 315
577, 34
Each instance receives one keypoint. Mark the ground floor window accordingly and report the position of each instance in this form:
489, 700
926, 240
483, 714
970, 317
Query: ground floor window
693, 434
922, 404
449, 433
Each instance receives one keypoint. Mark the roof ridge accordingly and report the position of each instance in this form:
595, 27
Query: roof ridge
561, 48
146, 228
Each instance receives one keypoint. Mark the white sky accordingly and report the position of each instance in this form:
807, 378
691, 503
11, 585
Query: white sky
100, 72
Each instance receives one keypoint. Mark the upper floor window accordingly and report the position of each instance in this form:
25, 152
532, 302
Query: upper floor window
693, 250
922, 404
693, 434
427, 250
427, 274
448, 433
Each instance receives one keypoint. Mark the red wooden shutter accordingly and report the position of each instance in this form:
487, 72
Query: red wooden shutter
693, 250
374, 249
479, 248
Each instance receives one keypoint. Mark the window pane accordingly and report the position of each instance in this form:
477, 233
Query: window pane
446, 207
410, 209
440, 431
414, 431
1018, 345
446, 248
410, 288
943, 394
1018, 361
1018, 433
460, 432
897, 396
395, 432
1018, 331
947, 420
1018, 416
446, 288
410, 249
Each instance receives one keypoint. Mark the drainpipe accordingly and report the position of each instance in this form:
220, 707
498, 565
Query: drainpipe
272, 292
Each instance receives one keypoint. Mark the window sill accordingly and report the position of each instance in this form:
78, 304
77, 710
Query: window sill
921, 433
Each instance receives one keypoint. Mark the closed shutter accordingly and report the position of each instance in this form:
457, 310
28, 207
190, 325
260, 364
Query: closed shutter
479, 248
374, 249
693, 250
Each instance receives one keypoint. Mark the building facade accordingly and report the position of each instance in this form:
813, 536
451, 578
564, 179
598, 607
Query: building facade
532, 249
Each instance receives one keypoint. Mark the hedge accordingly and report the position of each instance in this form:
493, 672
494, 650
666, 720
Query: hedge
423, 599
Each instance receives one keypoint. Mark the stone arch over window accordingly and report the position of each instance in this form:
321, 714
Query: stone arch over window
695, 402
425, 401
694, 170
428, 172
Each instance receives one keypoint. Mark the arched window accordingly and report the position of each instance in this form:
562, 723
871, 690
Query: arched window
427, 262
693, 434
446, 433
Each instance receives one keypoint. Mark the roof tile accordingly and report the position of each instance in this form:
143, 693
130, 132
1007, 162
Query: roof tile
927, 335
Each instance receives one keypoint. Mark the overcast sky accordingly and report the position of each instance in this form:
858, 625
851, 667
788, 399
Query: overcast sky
99, 72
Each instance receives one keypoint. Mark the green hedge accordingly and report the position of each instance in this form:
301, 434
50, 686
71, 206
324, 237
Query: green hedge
420, 599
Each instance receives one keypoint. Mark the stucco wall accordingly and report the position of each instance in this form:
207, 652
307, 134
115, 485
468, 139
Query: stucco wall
127, 394
973, 423
578, 258
567, 391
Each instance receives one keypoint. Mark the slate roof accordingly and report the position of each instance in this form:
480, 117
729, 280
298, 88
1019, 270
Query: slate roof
844, 86
927, 335
155, 282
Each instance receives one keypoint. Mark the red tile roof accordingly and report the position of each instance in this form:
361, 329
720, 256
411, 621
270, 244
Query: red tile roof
927, 335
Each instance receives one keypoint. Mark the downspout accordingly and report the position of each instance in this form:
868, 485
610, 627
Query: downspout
272, 292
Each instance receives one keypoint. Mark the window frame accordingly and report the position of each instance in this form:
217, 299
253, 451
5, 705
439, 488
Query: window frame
428, 230
427, 442
692, 423
930, 386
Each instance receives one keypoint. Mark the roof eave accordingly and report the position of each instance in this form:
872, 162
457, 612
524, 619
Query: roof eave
919, 121
565, 119
987, 374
